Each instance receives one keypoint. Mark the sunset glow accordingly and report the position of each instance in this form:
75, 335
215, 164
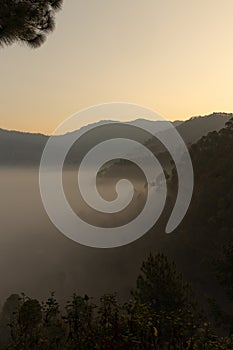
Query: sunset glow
175, 57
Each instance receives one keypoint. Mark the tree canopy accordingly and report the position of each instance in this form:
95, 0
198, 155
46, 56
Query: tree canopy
160, 285
136, 324
27, 21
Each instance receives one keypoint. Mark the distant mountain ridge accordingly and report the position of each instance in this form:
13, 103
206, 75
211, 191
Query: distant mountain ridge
25, 149
194, 128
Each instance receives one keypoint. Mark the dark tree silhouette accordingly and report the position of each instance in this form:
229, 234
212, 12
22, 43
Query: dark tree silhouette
160, 285
27, 21
225, 270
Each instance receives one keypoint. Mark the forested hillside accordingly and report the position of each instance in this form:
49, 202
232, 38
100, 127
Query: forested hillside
164, 311
25, 149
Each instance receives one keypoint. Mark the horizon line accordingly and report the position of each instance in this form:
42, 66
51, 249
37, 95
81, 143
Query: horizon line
171, 121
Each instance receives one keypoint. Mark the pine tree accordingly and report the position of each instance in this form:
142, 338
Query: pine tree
160, 286
27, 21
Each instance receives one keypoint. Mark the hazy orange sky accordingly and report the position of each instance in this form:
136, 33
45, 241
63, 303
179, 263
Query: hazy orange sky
174, 56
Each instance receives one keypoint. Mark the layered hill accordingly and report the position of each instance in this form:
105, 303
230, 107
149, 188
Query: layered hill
25, 149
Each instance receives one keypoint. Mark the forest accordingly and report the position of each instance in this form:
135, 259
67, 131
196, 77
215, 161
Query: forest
162, 291
162, 312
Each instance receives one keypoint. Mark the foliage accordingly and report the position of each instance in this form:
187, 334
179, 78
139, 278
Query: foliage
27, 21
210, 213
224, 269
208, 222
160, 286
162, 313
10, 306
136, 324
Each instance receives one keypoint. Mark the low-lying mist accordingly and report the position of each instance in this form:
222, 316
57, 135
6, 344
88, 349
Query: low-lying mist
36, 258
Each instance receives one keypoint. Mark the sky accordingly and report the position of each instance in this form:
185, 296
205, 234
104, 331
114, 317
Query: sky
174, 56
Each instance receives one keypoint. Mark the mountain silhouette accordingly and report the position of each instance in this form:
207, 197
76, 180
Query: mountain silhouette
25, 149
